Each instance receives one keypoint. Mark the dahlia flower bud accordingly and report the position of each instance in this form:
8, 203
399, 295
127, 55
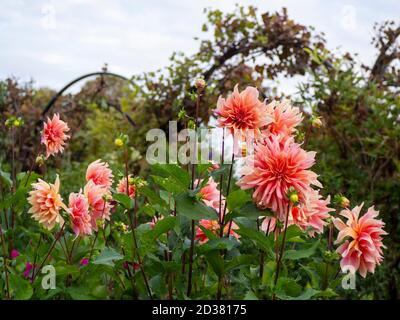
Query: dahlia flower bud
118, 143
19, 122
293, 196
181, 114
191, 124
121, 141
121, 227
9, 122
316, 122
342, 201
200, 84
40, 160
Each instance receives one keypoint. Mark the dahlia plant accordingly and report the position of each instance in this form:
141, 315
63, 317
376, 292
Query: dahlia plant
190, 231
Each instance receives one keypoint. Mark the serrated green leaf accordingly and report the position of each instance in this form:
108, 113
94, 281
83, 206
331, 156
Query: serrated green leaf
107, 257
193, 208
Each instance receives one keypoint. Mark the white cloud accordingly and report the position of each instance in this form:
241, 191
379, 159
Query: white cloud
137, 36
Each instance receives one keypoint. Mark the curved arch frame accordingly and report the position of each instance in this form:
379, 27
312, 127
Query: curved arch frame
88, 75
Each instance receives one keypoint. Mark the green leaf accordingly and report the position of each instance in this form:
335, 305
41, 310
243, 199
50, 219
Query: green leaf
250, 295
79, 293
249, 211
21, 288
313, 275
209, 234
258, 237
306, 295
215, 260
237, 199
193, 208
168, 184
293, 234
301, 254
162, 226
173, 171
123, 199
6, 178
107, 257
217, 244
241, 260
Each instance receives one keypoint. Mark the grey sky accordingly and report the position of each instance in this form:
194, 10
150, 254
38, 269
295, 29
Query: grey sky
55, 41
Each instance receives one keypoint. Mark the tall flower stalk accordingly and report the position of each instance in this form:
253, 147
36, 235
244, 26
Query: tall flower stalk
200, 85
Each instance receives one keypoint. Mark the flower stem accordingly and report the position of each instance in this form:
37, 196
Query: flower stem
5, 262
49, 252
36, 255
191, 250
278, 266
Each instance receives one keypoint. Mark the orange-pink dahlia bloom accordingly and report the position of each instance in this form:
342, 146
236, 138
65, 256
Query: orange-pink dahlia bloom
46, 203
214, 227
273, 169
99, 207
311, 213
80, 216
53, 135
210, 193
363, 249
121, 188
242, 114
210, 196
285, 118
268, 224
100, 174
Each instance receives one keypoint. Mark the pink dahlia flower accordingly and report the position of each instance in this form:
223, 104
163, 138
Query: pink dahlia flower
268, 224
213, 226
210, 193
311, 213
273, 169
285, 118
79, 211
100, 173
53, 135
121, 188
242, 114
363, 249
46, 203
99, 207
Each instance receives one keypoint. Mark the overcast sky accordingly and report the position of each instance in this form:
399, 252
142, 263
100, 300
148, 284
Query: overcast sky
55, 41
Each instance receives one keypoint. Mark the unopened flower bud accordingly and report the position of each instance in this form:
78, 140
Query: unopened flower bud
343, 202
191, 124
18, 122
200, 84
39, 160
181, 114
9, 122
293, 196
316, 122
118, 143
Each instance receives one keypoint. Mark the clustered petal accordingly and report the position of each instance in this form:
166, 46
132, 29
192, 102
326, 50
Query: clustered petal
285, 118
274, 168
100, 208
46, 203
53, 135
100, 174
362, 249
243, 114
210, 196
121, 188
80, 216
